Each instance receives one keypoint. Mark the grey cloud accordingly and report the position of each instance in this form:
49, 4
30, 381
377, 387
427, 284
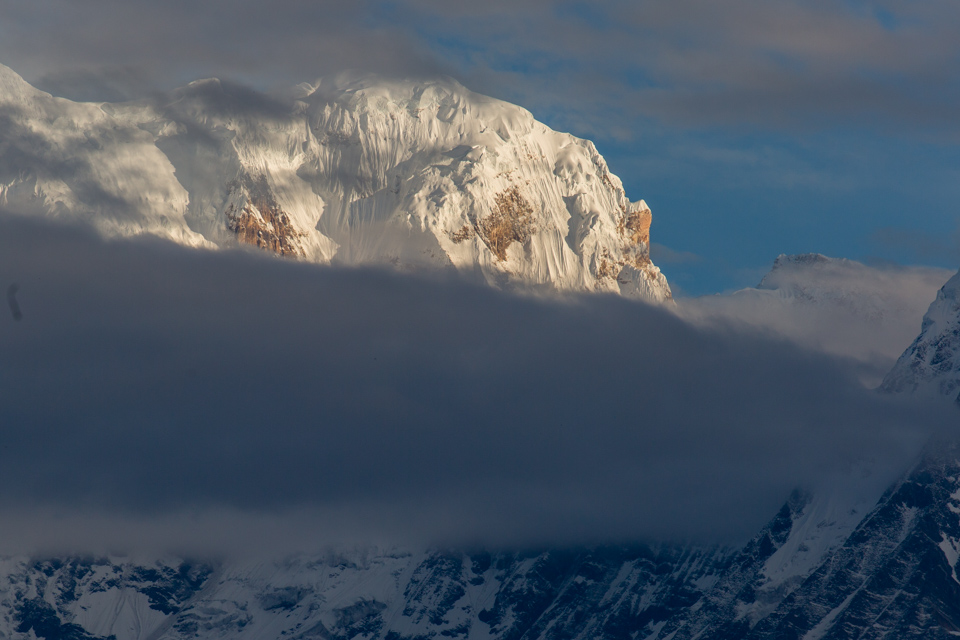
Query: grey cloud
268, 44
791, 64
787, 63
807, 63
148, 382
223, 98
106, 83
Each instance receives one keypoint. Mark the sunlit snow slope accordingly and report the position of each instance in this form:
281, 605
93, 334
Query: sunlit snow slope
352, 170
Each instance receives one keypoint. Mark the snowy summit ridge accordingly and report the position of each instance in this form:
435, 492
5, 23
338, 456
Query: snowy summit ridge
352, 170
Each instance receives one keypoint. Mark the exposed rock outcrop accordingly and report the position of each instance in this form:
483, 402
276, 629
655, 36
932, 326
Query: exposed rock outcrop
261, 222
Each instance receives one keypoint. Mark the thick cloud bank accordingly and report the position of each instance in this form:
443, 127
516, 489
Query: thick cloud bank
158, 395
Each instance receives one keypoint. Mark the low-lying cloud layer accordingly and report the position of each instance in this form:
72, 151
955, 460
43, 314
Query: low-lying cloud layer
163, 396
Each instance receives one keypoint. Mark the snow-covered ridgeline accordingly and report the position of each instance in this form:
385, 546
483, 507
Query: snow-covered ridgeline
354, 170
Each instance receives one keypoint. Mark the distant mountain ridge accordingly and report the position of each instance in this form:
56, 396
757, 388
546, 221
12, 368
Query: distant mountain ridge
352, 170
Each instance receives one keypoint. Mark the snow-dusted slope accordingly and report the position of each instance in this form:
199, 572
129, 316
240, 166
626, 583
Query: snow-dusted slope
355, 170
73, 160
932, 363
610, 592
893, 575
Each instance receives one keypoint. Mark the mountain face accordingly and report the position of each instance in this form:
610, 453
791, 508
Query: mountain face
350, 170
895, 576
606, 592
932, 363
892, 574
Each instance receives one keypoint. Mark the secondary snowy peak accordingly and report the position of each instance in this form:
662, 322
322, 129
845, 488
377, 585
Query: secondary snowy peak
799, 272
871, 293
351, 169
932, 363
838, 306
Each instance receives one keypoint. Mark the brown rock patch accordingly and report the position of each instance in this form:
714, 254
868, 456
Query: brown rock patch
510, 221
462, 234
637, 226
262, 223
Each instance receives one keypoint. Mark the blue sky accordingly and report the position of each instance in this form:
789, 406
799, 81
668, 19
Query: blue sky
732, 207
751, 127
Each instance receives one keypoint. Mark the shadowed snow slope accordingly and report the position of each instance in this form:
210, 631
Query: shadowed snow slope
932, 363
351, 169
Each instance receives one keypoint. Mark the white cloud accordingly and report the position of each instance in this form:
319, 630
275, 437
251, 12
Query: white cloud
838, 307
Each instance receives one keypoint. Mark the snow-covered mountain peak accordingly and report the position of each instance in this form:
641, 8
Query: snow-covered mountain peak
15, 91
932, 363
352, 169
801, 276
413, 94
945, 310
10, 77
786, 261
873, 294
839, 306
814, 276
